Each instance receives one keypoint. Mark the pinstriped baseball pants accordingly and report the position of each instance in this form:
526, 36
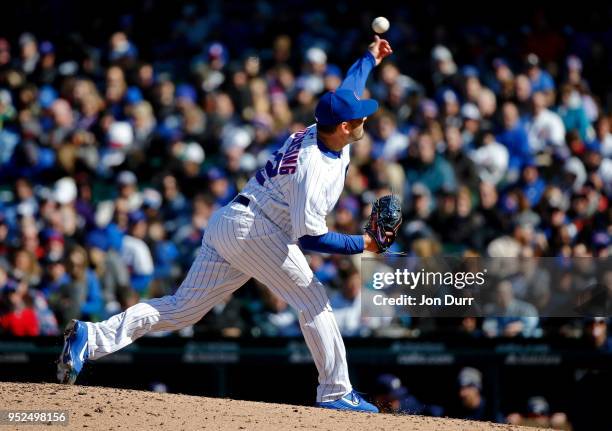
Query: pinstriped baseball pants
239, 243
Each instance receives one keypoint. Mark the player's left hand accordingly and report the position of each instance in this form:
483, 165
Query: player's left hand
384, 222
370, 244
380, 49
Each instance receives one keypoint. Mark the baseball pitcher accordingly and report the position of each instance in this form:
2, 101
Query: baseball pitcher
260, 234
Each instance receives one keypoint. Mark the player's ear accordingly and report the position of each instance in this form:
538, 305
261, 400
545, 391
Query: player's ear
345, 128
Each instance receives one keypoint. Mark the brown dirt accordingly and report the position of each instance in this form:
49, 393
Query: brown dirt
97, 408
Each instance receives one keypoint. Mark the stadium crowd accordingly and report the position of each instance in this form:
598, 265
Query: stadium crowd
114, 155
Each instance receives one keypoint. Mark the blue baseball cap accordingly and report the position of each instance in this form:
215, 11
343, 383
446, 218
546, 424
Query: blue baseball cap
390, 385
10, 286
350, 204
97, 239
136, 217
343, 105
333, 70
470, 71
601, 240
499, 62
215, 174
114, 235
133, 95
46, 96
186, 91
46, 47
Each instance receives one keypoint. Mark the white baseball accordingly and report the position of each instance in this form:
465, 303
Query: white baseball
380, 24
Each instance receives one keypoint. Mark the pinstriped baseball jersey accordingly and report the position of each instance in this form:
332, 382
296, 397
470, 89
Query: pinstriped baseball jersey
300, 184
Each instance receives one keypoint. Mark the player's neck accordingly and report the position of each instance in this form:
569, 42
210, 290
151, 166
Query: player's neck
332, 142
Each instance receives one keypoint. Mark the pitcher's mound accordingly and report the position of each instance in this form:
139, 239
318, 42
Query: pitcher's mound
96, 408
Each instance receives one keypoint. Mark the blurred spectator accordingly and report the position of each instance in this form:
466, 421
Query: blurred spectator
4, 238
541, 81
503, 83
491, 159
446, 209
175, 207
55, 274
514, 317
312, 79
347, 307
573, 114
421, 205
18, 316
427, 167
136, 254
390, 396
26, 267
471, 125
595, 332
444, 67
111, 270
121, 49
164, 254
534, 280
576, 80
47, 322
227, 319
545, 128
463, 165
119, 139
466, 223
514, 137
189, 237
471, 403
469, 326
5, 54
390, 143
487, 105
451, 109
275, 318
347, 215
127, 186
494, 221
79, 294
531, 184
603, 137
46, 72
221, 188
29, 53
539, 416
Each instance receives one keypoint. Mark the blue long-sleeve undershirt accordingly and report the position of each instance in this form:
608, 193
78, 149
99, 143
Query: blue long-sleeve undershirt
357, 75
333, 243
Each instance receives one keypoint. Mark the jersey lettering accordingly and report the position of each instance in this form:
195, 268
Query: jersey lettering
282, 164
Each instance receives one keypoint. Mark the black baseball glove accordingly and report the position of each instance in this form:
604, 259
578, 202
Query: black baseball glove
384, 222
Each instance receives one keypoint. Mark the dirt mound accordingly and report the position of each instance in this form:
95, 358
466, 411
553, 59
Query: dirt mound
98, 408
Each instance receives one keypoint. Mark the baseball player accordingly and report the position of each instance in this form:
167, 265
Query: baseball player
259, 235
